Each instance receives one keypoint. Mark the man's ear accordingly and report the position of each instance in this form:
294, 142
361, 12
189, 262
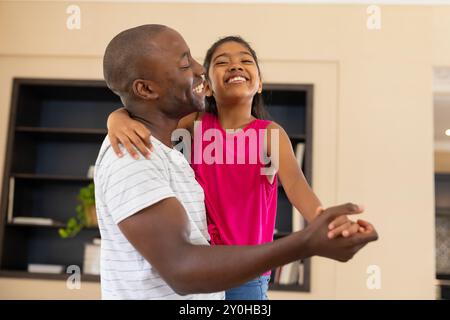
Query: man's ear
208, 90
145, 89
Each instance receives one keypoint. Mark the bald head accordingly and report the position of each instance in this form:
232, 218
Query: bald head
123, 54
151, 68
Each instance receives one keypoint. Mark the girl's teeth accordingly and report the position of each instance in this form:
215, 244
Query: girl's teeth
237, 79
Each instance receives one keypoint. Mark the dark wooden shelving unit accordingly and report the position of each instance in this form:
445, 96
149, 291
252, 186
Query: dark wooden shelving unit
291, 106
56, 129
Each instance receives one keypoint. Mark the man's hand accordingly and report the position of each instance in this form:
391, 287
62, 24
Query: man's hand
341, 248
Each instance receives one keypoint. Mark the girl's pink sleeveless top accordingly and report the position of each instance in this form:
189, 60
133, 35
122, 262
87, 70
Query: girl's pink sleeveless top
240, 202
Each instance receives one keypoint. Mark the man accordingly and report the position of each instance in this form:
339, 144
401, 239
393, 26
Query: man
151, 212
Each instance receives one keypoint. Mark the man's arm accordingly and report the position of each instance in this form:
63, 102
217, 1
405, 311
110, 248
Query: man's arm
161, 234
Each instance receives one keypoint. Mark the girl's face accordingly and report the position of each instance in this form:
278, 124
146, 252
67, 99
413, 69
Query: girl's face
233, 74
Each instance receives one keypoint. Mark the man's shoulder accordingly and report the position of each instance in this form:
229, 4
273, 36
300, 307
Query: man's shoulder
108, 161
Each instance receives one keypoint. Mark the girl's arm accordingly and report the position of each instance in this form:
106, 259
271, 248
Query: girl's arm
122, 129
297, 188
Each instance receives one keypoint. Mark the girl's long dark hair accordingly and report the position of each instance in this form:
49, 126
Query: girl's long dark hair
258, 109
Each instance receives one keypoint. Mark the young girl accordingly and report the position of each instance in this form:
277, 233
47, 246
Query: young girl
240, 201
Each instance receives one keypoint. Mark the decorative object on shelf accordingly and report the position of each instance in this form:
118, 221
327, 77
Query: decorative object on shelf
45, 268
36, 221
11, 200
289, 273
90, 173
86, 214
91, 263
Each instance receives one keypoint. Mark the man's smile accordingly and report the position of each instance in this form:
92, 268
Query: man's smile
199, 89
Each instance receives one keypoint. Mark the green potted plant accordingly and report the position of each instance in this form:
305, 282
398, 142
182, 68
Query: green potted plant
86, 215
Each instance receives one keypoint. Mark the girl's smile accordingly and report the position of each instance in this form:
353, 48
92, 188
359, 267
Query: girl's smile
233, 74
236, 78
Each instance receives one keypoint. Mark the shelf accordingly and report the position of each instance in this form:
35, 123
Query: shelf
297, 137
46, 177
62, 130
53, 226
279, 235
82, 135
28, 225
443, 212
47, 276
443, 276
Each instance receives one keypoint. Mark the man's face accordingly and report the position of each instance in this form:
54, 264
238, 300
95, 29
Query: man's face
178, 76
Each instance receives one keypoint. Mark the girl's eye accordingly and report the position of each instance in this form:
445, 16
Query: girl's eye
247, 61
220, 63
186, 67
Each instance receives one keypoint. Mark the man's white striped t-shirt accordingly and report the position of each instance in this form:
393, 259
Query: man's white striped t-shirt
123, 187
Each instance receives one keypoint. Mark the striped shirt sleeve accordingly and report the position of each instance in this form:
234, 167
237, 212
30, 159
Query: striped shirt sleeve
131, 185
